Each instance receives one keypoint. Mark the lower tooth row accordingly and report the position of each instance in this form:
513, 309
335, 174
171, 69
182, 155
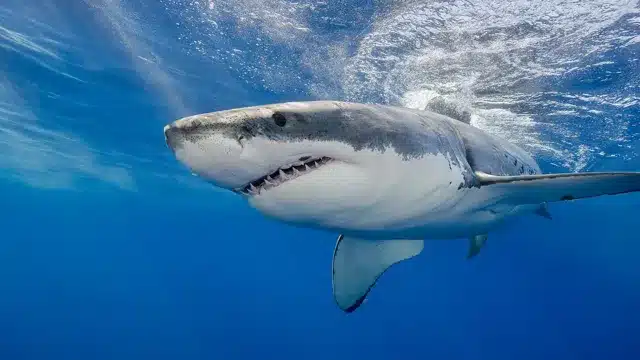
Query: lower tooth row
253, 190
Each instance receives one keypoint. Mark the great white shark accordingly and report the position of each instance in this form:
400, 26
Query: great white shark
382, 177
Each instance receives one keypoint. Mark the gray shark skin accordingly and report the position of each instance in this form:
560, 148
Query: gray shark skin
383, 177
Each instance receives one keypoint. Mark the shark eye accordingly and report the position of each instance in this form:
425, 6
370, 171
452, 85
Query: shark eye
279, 119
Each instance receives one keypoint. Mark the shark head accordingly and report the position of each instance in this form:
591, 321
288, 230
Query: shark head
322, 164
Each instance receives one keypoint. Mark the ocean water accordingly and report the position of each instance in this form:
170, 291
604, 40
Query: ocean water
112, 250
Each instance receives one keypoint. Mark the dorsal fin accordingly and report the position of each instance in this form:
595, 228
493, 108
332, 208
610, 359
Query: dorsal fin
443, 106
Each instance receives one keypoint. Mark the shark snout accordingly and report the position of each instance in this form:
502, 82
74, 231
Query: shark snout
173, 136
193, 129
210, 150
189, 129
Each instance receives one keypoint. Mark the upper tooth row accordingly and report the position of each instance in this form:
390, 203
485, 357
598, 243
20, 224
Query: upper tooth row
315, 163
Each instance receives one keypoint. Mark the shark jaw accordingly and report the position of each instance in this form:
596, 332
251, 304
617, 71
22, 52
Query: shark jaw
284, 174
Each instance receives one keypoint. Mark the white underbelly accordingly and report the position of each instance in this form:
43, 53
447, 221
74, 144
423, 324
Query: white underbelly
476, 211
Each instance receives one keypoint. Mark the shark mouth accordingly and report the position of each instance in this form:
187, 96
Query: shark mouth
282, 175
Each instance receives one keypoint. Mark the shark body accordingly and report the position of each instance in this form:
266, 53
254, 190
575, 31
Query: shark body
383, 177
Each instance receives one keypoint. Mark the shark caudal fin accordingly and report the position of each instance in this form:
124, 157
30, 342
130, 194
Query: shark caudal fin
536, 189
358, 263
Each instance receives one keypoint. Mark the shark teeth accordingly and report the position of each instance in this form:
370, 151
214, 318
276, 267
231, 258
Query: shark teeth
282, 175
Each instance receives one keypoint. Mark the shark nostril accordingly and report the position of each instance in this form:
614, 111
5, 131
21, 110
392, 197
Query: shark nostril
240, 139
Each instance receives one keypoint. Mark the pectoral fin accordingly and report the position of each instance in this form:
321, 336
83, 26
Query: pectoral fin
475, 244
536, 189
358, 263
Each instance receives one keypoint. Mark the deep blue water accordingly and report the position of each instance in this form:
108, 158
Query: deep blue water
111, 250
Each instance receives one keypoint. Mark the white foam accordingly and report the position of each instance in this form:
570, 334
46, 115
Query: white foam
491, 55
